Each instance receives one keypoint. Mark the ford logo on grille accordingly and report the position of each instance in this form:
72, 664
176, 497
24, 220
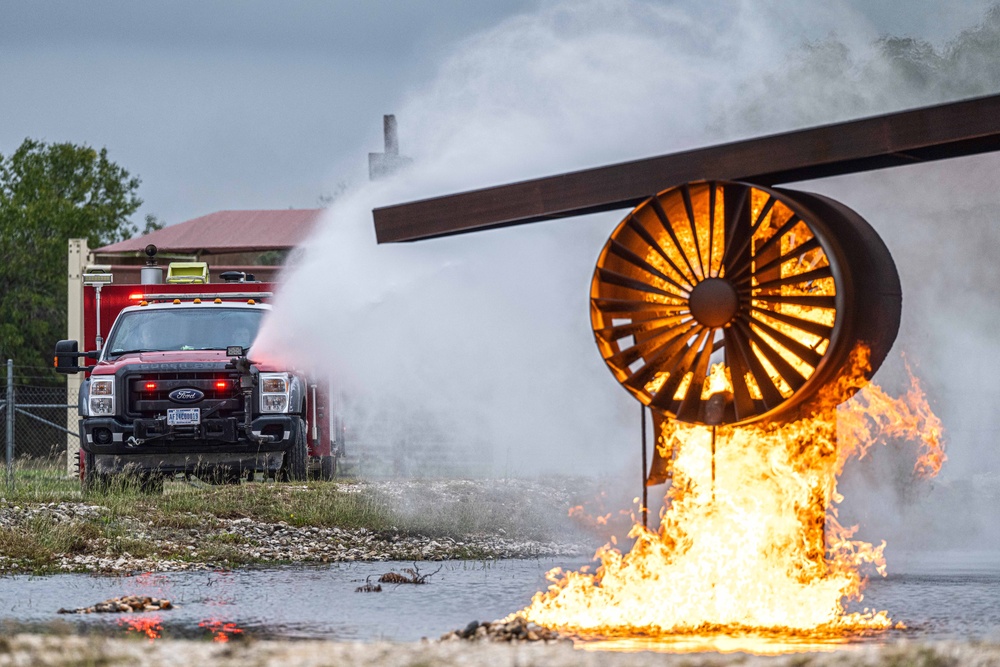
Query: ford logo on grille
186, 395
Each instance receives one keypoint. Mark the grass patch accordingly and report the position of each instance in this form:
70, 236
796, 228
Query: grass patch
469, 509
37, 543
186, 521
39, 481
321, 504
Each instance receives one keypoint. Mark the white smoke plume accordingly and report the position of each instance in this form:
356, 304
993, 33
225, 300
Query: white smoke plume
477, 349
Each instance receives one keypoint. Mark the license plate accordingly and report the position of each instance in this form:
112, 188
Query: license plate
183, 416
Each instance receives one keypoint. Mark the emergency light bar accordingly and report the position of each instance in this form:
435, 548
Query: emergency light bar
169, 296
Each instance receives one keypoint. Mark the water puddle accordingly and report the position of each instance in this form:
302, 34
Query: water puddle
293, 602
321, 602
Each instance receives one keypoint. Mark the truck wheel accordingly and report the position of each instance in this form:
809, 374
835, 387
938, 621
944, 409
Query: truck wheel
296, 465
91, 480
328, 467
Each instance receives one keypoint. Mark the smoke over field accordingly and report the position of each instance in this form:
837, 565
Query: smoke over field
476, 350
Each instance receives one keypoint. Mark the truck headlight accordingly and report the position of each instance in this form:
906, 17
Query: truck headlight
274, 392
274, 385
102, 397
274, 403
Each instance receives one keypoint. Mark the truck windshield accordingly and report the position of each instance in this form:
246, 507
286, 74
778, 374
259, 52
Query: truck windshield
203, 328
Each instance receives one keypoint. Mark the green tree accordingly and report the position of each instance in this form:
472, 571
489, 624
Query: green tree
50, 193
152, 224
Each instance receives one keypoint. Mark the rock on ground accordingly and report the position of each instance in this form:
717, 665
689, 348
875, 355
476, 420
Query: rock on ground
73, 650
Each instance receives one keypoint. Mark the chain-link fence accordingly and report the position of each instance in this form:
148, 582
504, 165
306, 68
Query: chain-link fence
382, 444
37, 418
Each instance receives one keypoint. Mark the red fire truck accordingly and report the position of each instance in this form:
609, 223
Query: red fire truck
175, 388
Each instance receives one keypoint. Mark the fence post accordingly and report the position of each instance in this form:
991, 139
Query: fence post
77, 259
10, 423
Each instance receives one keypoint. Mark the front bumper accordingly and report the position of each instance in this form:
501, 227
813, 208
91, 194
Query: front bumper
151, 445
110, 435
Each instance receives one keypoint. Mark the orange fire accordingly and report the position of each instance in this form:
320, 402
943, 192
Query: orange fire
150, 626
222, 631
758, 550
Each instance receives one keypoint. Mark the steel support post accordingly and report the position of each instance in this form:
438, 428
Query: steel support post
645, 472
10, 423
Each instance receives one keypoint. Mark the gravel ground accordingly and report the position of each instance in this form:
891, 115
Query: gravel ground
282, 543
544, 506
540, 505
72, 650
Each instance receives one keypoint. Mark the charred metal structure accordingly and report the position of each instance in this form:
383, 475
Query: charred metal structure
893, 140
721, 299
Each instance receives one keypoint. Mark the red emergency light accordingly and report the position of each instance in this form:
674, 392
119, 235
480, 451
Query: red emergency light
150, 386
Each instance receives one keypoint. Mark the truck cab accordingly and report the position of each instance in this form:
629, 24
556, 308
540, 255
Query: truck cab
175, 390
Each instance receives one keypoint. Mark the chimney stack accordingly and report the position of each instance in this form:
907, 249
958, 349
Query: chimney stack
382, 165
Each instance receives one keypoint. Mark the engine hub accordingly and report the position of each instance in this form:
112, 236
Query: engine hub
714, 302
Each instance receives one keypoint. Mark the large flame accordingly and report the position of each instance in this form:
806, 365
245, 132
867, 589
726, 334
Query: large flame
751, 544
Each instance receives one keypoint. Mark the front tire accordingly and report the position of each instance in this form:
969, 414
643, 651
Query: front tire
296, 464
328, 467
91, 481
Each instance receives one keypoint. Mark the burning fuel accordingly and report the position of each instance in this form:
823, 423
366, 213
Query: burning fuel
758, 549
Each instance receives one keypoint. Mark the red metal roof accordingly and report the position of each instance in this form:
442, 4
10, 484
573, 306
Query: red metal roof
228, 232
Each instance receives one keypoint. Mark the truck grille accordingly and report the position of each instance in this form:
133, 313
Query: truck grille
149, 393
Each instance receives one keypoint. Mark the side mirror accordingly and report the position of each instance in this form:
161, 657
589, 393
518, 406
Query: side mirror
67, 354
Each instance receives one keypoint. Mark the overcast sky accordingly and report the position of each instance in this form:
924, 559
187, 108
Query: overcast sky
239, 105
242, 105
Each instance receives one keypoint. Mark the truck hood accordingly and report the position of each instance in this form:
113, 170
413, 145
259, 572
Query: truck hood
173, 357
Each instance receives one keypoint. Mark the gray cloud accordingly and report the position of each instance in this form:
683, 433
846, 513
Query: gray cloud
222, 105
267, 105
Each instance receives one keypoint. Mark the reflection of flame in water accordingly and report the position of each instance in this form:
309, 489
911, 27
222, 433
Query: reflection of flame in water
144, 584
222, 631
149, 625
767, 557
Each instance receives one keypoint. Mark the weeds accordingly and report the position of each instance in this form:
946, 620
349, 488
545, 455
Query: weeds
122, 518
